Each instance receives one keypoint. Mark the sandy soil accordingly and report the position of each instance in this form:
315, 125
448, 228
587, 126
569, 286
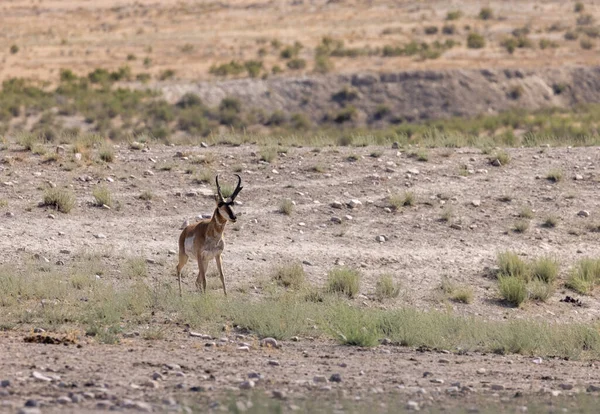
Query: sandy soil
420, 250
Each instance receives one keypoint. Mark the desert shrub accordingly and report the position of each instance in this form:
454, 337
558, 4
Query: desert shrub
520, 226
579, 7
102, 196
584, 276
462, 294
449, 29
291, 275
571, 35
486, 13
510, 264
586, 44
14, 49
539, 290
386, 288
513, 289
550, 222
107, 153
28, 140
547, 43
475, 41
516, 92
345, 115
61, 199
296, 64
545, 269
323, 64
352, 326
146, 195
526, 212
268, 154
431, 30
554, 175
406, 199
454, 15
286, 207
344, 281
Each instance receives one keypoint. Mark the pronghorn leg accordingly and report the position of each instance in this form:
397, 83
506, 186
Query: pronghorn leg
182, 261
201, 280
220, 267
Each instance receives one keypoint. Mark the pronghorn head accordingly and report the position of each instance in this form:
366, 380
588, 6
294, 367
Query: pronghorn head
224, 205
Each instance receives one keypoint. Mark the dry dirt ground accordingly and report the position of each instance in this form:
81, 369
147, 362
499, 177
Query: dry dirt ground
190, 36
419, 252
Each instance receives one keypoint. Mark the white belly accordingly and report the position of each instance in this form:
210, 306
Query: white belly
189, 247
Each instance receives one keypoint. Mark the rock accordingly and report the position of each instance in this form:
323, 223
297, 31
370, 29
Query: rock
320, 378
348, 217
77, 398
247, 385
29, 410
437, 381
158, 376
40, 377
555, 393
148, 173
100, 236
63, 400
444, 361
336, 204
142, 406
380, 238
336, 220
32, 403
9, 214
278, 394
578, 177
151, 384
566, 386
412, 406
452, 390
395, 145
456, 226
273, 362
583, 213
476, 203
496, 162
203, 145
354, 203
5, 383
497, 387
51, 216
335, 378
170, 401
65, 251
481, 371
200, 335
243, 348
191, 194
593, 388
269, 343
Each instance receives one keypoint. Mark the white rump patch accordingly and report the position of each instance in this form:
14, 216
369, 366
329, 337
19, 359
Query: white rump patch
189, 247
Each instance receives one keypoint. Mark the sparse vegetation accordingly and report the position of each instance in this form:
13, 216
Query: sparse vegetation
513, 289
475, 41
545, 269
510, 264
584, 276
146, 195
454, 15
526, 212
554, 175
286, 207
406, 199
268, 154
520, 226
107, 153
486, 13
60, 199
550, 222
344, 281
291, 275
386, 288
102, 196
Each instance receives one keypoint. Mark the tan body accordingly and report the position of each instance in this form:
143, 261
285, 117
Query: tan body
203, 241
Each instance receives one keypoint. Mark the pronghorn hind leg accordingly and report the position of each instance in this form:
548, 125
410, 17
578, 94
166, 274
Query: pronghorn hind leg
220, 267
182, 261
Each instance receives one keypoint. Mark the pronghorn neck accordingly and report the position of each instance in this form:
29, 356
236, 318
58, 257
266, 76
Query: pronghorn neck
218, 221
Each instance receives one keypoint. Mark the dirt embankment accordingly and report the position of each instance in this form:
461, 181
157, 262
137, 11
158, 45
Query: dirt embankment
409, 95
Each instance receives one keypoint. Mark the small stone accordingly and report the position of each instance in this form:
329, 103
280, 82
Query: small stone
103, 405
444, 361
335, 378
204, 145
412, 406
151, 384
578, 177
41, 377
269, 343
593, 388
497, 387
63, 400
395, 145
456, 226
142, 406
273, 362
77, 398
278, 394
496, 162
5, 383
170, 401
336, 220
65, 251
380, 238
32, 403
247, 385
476, 203
566, 386
148, 173
336, 204
320, 378
413, 171
437, 381
29, 410
51, 216
100, 236
243, 348
481, 371
452, 390
583, 213
555, 393
354, 203
158, 376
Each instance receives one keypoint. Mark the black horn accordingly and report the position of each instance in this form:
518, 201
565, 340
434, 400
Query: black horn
219, 188
238, 188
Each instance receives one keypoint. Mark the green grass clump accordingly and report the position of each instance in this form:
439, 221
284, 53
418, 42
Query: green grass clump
510, 264
385, 287
554, 175
513, 289
502, 156
406, 199
584, 276
550, 222
290, 275
28, 140
102, 196
268, 154
526, 213
344, 281
136, 268
353, 326
286, 207
521, 226
486, 13
462, 294
475, 41
454, 15
61, 199
545, 269
146, 195
107, 153
539, 290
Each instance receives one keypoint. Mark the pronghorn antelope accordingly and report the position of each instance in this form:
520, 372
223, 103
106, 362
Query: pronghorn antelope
203, 240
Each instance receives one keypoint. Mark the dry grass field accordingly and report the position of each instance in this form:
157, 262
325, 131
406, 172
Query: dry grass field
39, 38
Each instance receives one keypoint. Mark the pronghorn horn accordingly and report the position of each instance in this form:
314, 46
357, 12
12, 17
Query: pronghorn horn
218, 188
238, 188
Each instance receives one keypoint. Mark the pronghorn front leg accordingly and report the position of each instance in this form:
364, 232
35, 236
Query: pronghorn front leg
220, 267
201, 280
